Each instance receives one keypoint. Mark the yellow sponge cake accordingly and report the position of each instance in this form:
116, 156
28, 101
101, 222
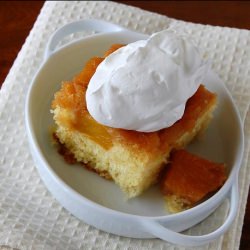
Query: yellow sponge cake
131, 159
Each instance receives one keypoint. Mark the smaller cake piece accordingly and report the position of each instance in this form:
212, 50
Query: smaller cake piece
189, 179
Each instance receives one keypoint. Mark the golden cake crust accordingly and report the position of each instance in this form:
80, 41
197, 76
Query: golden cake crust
189, 179
70, 98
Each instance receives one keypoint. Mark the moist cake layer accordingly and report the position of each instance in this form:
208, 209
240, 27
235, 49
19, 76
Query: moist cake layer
132, 159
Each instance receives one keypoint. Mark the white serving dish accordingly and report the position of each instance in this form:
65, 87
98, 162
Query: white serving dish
99, 202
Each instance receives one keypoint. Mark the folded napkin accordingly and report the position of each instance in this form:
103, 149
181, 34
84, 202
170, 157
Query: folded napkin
30, 217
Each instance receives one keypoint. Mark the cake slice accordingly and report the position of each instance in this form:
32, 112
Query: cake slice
189, 179
131, 159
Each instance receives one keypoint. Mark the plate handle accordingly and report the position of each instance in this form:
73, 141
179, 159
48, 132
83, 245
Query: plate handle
159, 231
95, 25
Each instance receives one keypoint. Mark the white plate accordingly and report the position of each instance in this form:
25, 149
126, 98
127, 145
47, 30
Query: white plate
100, 202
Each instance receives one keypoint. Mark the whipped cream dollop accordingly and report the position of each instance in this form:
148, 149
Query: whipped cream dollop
144, 86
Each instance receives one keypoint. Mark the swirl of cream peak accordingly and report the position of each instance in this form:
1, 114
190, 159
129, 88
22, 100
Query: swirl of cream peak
145, 85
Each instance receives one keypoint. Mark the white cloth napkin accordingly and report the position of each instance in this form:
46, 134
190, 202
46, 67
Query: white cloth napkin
30, 217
